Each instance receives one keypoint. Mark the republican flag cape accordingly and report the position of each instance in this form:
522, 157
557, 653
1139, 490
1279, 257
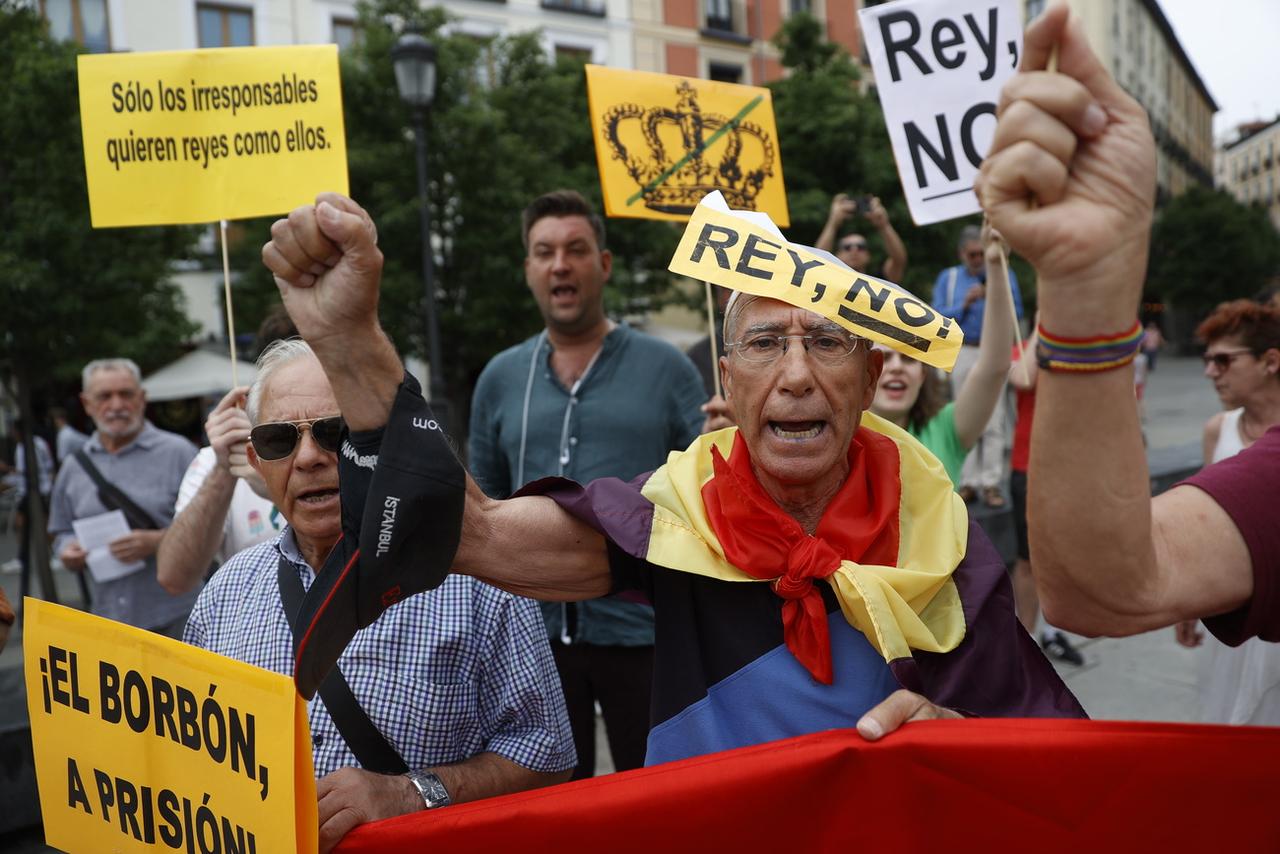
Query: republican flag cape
765, 632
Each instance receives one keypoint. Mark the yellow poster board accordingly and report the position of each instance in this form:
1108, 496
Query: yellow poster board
143, 743
733, 252
198, 136
663, 142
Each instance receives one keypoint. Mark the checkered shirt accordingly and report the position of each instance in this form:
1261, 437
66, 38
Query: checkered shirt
459, 670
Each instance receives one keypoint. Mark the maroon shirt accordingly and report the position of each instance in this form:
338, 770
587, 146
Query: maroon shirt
1247, 486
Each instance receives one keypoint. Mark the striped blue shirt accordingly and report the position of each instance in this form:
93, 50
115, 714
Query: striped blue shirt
445, 675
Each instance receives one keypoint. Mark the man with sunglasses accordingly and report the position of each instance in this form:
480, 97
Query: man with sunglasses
960, 292
852, 249
131, 466
805, 567
448, 696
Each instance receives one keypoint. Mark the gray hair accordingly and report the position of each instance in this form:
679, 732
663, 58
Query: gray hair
738, 300
278, 354
127, 365
968, 234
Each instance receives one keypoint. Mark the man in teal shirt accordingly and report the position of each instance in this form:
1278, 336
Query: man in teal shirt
585, 398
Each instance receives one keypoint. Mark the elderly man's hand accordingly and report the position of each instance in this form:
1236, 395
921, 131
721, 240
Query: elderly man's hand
228, 430
898, 708
327, 266
73, 556
135, 545
1070, 179
352, 796
228, 426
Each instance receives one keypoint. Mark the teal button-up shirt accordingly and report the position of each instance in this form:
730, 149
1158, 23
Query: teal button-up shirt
640, 399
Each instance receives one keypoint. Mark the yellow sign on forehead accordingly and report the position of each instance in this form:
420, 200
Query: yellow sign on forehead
202, 135
663, 142
735, 253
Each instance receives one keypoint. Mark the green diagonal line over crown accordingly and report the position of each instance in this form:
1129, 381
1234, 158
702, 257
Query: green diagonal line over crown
696, 150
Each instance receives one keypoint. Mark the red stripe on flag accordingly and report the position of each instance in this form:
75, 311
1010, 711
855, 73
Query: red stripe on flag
978, 784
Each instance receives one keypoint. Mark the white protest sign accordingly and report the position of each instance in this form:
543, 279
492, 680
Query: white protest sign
939, 67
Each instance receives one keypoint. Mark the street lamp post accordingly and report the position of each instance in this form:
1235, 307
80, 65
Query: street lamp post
414, 59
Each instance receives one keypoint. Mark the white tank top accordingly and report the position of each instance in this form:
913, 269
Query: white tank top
1229, 441
1238, 685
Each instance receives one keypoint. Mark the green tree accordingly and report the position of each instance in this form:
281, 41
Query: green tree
506, 125
834, 140
68, 293
1206, 248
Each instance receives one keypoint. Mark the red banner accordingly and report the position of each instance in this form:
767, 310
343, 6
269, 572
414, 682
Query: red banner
978, 784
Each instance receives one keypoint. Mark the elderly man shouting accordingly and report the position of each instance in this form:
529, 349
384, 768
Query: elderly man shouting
452, 695
729, 537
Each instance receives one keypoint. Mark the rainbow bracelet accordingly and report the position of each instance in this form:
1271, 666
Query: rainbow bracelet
1104, 353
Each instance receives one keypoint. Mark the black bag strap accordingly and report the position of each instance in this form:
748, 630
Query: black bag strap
366, 741
113, 499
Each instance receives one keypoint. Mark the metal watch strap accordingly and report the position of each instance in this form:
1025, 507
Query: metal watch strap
433, 792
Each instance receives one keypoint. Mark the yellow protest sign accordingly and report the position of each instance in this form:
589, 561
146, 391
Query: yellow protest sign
144, 743
663, 142
732, 252
203, 135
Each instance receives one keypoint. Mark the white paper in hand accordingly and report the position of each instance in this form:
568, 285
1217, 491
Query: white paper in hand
95, 534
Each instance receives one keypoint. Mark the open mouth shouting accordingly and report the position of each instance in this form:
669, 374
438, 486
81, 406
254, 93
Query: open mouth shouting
318, 496
563, 293
797, 430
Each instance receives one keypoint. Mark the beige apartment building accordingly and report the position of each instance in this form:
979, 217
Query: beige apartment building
1248, 166
597, 30
729, 40
1136, 42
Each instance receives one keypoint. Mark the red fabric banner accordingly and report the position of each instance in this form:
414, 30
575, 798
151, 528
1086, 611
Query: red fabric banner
977, 784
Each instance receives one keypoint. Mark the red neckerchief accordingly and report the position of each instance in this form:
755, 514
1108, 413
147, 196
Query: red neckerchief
860, 524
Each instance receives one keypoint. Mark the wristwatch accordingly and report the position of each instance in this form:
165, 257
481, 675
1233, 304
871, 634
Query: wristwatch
433, 792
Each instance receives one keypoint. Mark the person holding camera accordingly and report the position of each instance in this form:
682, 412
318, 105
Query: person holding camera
853, 249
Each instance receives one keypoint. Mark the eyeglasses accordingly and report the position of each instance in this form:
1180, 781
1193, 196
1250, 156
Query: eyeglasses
827, 347
852, 244
279, 439
1223, 359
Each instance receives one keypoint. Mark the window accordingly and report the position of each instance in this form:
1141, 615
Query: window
345, 33
795, 7
720, 15
224, 26
84, 21
724, 72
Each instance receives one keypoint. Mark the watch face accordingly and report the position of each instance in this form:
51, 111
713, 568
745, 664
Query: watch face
437, 794
433, 791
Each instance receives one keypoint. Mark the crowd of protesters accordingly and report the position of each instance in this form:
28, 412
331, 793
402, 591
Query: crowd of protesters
217, 546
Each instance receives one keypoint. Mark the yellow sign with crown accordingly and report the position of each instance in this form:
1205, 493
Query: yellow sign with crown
663, 142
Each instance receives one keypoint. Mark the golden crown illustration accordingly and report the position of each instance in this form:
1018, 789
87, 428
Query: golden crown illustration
676, 184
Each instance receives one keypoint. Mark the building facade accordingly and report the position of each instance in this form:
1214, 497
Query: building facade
1248, 166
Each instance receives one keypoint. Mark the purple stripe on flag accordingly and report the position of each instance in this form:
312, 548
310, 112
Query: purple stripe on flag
612, 506
997, 670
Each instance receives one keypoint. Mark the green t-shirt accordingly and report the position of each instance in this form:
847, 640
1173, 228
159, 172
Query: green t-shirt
939, 436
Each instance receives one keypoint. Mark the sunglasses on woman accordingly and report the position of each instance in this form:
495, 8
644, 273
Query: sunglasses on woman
279, 439
1223, 359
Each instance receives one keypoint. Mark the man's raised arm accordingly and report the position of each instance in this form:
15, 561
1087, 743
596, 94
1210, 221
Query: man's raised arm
1070, 183
328, 267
